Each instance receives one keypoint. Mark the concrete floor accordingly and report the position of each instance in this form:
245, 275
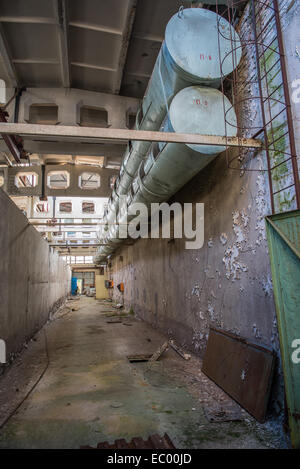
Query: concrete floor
91, 393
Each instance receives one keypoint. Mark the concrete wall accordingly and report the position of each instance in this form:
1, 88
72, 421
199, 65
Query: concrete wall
70, 102
227, 283
33, 280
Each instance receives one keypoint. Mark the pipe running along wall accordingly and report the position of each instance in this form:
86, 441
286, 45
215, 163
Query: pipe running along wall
170, 166
190, 54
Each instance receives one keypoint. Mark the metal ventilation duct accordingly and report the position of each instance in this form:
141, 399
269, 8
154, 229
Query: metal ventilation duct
191, 54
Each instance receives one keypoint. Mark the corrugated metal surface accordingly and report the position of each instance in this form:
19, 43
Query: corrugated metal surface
283, 231
153, 442
243, 369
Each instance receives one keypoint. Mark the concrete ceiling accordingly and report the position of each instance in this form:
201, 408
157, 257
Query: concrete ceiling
96, 45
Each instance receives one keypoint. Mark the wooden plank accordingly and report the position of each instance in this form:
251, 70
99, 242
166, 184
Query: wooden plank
159, 352
139, 358
180, 352
107, 134
243, 369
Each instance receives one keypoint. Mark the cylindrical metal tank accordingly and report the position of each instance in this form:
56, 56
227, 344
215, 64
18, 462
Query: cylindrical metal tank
190, 54
167, 167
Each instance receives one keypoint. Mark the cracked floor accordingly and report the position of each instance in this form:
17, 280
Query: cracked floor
91, 393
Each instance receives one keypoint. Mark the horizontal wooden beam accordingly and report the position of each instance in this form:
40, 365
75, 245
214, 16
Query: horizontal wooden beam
57, 224
53, 245
109, 134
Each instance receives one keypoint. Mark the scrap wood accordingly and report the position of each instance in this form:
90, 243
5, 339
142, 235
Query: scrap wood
225, 412
139, 358
72, 305
151, 357
180, 352
114, 321
61, 313
115, 314
156, 355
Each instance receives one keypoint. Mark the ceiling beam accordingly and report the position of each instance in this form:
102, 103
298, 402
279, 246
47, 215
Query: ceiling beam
138, 74
148, 37
27, 19
36, 61
95, 27
76, 245
128, 25
7, 61
58, 224
95, 67
108, 134
60, 8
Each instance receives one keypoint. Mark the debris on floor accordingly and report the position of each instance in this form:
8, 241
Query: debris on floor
118, 306
159, 352
167, 397
116, 405
180, 352
225, 412
153, 442
139, 358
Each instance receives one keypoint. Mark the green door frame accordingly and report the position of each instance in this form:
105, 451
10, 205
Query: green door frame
283, 232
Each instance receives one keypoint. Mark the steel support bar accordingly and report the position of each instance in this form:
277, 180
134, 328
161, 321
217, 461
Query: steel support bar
60, 7
57, 224
75, 245
266, 140
46, 219
78, 225
107, 134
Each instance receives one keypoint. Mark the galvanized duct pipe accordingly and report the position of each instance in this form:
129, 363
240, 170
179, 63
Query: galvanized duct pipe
190, 54
168, 167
